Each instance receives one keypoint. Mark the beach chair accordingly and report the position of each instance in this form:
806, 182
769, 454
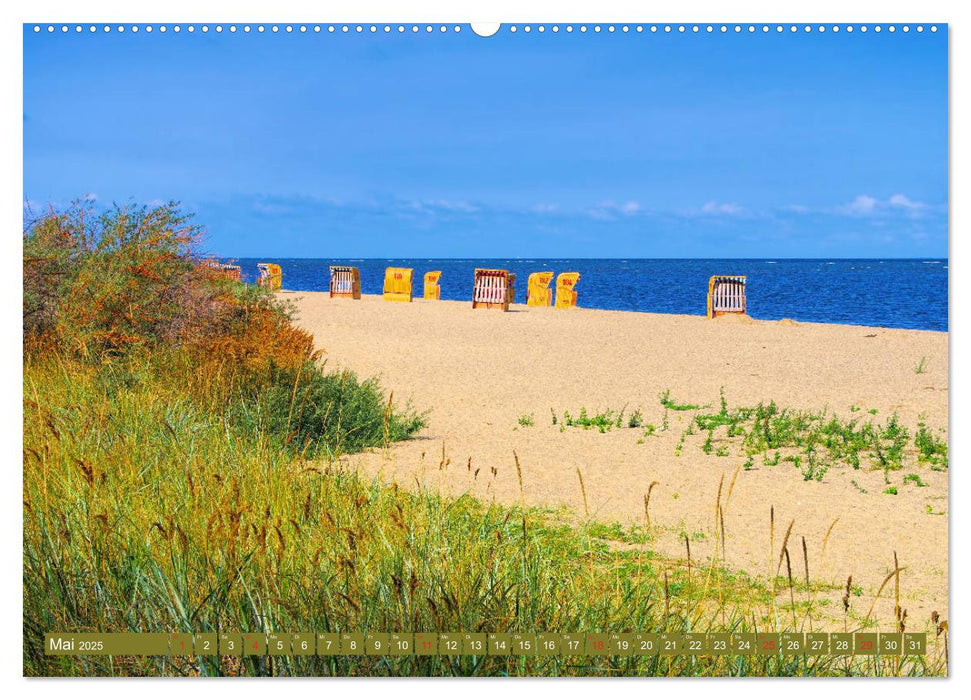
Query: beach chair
233, 272
726, 295
432, 290
271, 276
493, 289
397, 283
538, 292
345, 281
566, 295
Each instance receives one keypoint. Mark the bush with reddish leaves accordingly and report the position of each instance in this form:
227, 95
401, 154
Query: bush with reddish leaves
128, 284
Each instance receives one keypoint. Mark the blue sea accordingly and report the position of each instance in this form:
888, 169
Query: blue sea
894, 293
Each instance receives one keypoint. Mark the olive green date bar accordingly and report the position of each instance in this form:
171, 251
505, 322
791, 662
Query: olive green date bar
483, 644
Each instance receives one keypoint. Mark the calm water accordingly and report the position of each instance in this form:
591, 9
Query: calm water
893, 293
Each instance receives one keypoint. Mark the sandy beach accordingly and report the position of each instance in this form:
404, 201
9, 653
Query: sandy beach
478, 372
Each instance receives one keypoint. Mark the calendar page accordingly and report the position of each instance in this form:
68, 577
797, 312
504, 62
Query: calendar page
525, 348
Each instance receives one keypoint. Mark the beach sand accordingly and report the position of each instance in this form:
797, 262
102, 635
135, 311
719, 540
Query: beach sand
478, 371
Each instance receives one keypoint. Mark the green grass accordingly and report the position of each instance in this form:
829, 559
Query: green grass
323, 415
527, 420
145, 510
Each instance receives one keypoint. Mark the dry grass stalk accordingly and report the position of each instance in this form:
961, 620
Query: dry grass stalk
731, 485
785, 543
828, 532
583, 490
519, 476
792, 595
647, 504
805, 559
721, 522
892, 574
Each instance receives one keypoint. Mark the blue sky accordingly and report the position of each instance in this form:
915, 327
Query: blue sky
523, 145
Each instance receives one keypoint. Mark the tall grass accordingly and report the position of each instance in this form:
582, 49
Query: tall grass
144, 511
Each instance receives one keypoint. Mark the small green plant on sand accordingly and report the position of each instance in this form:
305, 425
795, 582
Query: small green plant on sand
816, 440
890, 490
669, 403
921, 367
602, 421
636, 419
930, 450
526, 420
915, 480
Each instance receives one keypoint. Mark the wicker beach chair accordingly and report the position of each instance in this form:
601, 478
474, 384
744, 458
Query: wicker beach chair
233, 272
345, 281
726, 295
493, 289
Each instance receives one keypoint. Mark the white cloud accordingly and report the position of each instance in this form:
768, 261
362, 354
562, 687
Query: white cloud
609, 210
900, 200
452, 206
862, 205
729, 208
865, 205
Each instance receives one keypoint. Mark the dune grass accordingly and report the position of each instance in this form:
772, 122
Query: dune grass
146, 511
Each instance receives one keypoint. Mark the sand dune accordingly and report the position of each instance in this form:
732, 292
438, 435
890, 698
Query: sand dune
478, 371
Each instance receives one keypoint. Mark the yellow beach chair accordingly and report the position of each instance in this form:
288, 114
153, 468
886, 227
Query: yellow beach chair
566, 295
397, 283
538, 292
432, 290
726, 295
271, 276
